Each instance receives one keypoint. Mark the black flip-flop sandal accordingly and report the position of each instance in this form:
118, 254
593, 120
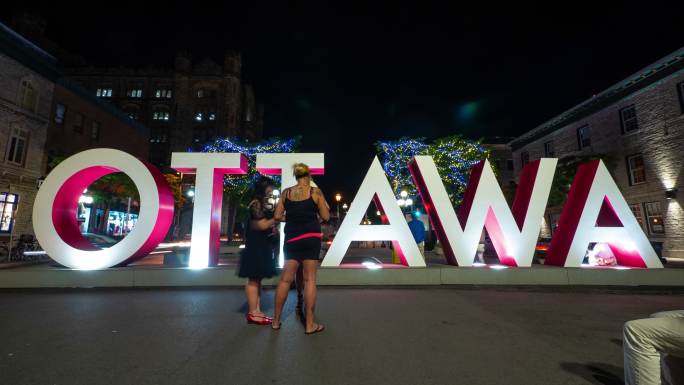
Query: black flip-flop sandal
319, 329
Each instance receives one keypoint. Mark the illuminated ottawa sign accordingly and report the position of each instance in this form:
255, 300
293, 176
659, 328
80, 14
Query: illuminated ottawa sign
594, 212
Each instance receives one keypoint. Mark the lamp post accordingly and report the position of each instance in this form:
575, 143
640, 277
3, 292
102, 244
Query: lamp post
338, 199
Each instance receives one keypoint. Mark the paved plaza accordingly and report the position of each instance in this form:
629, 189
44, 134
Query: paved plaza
373, 336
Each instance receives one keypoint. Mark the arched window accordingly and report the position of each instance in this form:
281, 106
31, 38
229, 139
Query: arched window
28, 95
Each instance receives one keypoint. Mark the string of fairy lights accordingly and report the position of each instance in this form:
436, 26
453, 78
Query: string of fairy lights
454, 156
240, 184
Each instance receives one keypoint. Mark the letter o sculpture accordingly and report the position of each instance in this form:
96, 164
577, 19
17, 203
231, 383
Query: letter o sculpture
56, 206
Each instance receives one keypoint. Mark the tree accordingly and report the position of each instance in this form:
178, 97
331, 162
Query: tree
238, 187
565, 173
454, 156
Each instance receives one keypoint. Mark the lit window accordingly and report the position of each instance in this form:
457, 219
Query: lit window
28, 97
160, 115
638, 214
133, 115
200, 93
212, 116
654, 217
17, 146
95, 132
134, 93
628, 119
60, 111
524, 158
548, 150
104, 92
78, 123
583, 138
637, 170
162, 93
8, 205
198, 117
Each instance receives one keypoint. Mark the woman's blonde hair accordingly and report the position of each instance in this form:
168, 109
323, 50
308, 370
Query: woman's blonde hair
300, 170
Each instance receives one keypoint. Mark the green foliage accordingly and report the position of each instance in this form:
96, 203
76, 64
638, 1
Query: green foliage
454, 156
565, 173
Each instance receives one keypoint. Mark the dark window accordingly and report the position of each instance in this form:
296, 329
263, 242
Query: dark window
638, 214
78, 123
583, 138
17, 146
60, 111
636, 169
628, 119
8, 205
654, 217
28, 95
524, 158
95, 132
680, 91
549, 152
509, 164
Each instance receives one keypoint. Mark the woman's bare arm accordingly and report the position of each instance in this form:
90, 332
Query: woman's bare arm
323, 209
279, 214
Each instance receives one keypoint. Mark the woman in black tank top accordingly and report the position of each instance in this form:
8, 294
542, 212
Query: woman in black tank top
300, 208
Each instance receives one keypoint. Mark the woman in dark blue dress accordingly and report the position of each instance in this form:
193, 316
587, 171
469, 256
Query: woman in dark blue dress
258, 257
301, 206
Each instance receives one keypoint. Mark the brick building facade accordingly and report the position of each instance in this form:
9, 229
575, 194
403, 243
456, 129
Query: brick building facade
637, 126
27, 76
80, 121
184, 107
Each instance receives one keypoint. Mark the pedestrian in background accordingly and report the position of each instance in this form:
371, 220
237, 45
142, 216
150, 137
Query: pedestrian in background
418, 231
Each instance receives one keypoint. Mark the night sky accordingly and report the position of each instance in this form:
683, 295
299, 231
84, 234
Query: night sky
346, 76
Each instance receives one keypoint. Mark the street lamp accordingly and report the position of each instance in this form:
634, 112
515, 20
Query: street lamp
408, 202
401, 202
403, 193
345, 207
338, 198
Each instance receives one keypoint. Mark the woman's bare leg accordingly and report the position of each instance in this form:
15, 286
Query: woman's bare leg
286, 279
252, 288
310, 267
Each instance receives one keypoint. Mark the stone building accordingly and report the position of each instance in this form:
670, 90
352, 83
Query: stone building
637, 127
184, 107
27, 75
501, 158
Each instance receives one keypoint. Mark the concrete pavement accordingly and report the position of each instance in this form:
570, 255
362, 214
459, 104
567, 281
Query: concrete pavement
374, 336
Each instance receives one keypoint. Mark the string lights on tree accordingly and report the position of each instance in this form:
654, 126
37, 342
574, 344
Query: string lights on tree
453, 155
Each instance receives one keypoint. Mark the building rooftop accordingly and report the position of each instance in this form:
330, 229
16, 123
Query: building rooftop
28, 54
655, 72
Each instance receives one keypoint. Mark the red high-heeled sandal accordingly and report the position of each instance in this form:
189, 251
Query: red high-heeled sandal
258, 320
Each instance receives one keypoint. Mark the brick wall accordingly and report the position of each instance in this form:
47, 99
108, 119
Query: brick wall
115, 131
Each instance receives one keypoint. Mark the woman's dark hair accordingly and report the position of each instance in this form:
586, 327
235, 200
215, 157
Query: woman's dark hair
260, 187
